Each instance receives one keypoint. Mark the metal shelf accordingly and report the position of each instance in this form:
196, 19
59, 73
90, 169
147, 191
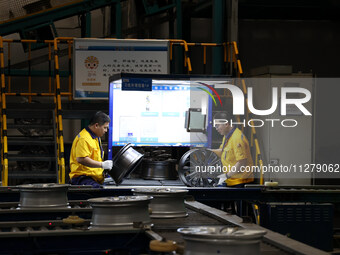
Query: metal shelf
30, 158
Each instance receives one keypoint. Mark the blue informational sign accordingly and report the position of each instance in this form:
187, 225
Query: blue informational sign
137, 84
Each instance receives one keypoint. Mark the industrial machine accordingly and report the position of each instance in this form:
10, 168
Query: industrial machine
92, 227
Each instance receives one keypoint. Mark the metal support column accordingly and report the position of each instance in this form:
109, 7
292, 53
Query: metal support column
218, 35
118, 20
232, 13
179, 58
86, 25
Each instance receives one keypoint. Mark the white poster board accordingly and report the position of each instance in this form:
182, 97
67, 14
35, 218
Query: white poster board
95, 60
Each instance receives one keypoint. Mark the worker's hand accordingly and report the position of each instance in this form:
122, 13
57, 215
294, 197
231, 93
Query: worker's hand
107, 164
222, 179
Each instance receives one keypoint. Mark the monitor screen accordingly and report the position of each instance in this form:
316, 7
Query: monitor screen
156, 117
196, 120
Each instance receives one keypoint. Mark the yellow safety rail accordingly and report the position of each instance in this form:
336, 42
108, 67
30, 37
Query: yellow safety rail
59, 118
56, 94
187, 62
254, 142
4, 154
229, 54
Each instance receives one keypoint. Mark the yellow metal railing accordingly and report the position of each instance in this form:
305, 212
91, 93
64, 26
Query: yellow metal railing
187, 62
58, 113
254, 142
56, 94
230, 53
4, 153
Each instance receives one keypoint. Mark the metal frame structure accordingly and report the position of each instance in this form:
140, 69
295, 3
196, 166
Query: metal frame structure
58, 111
56, 94
61, 12
50, 234
251, 193
230, 58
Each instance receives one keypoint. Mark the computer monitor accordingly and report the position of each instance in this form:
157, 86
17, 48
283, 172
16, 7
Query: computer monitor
195, 120
150, 110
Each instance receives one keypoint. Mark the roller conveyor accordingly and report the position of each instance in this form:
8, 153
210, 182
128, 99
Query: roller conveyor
42, 236
199, 216
257, 193
30, 237
9, 211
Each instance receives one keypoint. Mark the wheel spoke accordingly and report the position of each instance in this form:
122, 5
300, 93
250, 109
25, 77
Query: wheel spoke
198, 158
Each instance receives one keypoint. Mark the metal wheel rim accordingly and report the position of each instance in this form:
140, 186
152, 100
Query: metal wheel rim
198, 157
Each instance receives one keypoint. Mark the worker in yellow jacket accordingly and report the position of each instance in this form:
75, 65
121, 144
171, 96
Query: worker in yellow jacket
86, 159
234, 152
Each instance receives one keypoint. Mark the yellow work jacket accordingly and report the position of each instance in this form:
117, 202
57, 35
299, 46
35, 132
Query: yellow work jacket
86, 144
235, 148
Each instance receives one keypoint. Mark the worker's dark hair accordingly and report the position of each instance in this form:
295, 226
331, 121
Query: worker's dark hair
99, 117
223, 115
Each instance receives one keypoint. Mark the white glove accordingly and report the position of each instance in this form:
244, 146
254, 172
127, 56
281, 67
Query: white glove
107, 164
222, 179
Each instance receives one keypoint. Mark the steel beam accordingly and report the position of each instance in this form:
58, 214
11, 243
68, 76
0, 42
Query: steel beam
56, 13
218, 35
